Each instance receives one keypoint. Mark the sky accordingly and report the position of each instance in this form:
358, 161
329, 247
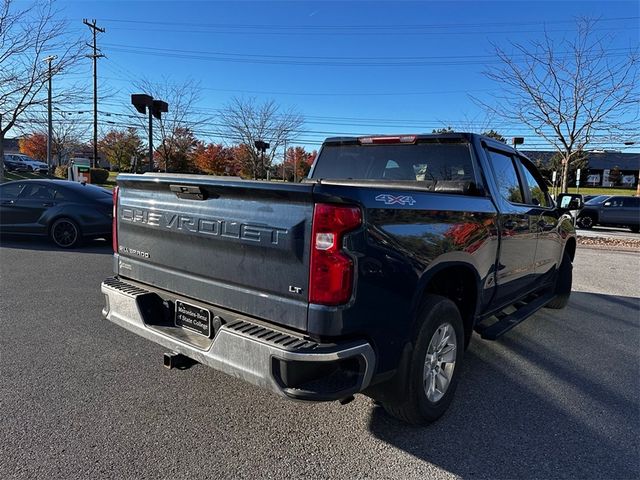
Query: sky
351, 67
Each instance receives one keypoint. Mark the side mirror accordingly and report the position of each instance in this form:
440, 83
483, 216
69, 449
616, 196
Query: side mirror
569, 201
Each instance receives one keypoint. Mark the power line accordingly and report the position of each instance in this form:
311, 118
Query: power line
300, 61
360, 29
395, 58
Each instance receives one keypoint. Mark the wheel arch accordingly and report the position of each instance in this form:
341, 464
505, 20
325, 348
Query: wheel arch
458, 281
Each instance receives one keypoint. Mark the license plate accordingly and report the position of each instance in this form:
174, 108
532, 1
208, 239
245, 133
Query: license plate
193, 318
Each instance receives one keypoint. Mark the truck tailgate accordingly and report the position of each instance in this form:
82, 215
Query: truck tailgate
237, 244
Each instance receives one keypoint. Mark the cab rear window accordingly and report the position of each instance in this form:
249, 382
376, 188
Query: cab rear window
428, 163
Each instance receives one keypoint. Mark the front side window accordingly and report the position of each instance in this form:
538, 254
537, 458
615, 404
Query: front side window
506, 176
537, 190
596, 200
11, 191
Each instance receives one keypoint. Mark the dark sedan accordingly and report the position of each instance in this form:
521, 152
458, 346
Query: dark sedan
66, 212
613, 211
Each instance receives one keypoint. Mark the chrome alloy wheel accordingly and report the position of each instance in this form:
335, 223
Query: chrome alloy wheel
64, 233
440, 362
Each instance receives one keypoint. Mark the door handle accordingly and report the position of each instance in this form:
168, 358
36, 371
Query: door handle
48, 204
7, 202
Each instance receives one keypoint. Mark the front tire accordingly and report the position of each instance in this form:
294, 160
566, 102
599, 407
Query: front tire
431, 375
586, 221
65, 233
564, 281
634, 228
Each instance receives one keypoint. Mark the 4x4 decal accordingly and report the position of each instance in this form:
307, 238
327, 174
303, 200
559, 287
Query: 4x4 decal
389, 199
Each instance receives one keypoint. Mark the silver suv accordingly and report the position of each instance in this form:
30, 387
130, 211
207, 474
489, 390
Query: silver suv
27, 162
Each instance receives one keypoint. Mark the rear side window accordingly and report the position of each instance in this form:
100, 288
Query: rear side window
38, 192
506, 176
632, 202
613, 202
423, 162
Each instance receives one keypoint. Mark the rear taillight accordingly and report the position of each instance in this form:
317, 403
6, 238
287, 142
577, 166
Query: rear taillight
114, 223
331, 274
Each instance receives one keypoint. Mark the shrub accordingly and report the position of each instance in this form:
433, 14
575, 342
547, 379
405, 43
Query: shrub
99, 175
61, 171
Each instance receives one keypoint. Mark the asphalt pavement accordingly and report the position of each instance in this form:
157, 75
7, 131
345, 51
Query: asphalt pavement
608, 232
558, 397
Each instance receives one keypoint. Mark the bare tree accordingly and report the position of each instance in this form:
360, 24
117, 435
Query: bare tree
68, 131
183, 99
569, 92
28, 34
245, 121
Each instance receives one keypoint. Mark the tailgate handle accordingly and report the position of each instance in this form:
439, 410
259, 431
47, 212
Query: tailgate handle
190, 192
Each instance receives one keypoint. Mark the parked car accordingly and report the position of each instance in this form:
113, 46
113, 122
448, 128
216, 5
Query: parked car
368, 277
11, 165
611, 211
28, 163
66, 212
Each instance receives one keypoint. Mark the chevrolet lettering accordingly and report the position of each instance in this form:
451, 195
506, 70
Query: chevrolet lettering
258, 233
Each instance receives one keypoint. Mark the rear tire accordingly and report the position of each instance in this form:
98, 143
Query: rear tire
431, 375
65, 233
564, 281
635, 228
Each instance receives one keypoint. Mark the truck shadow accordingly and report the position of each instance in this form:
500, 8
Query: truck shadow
100, 246
556, 397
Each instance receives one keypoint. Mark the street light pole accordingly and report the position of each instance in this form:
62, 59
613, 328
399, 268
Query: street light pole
151, 141
143, 102
261, 146
49, 59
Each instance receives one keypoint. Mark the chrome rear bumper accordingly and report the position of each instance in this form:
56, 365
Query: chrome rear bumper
270, 357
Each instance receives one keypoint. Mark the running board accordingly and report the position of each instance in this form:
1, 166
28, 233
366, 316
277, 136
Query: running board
507, 321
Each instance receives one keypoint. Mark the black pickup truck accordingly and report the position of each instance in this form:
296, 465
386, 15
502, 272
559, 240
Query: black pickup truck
370, 276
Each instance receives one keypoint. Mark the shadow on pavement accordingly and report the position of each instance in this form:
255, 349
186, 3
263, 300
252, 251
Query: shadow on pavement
100, 246
555, 398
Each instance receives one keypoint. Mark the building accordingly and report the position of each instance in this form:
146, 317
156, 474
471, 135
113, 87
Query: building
605, 168
11, 145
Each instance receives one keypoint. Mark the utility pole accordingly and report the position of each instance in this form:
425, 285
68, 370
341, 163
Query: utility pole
284, 161
94, 30
49, 59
